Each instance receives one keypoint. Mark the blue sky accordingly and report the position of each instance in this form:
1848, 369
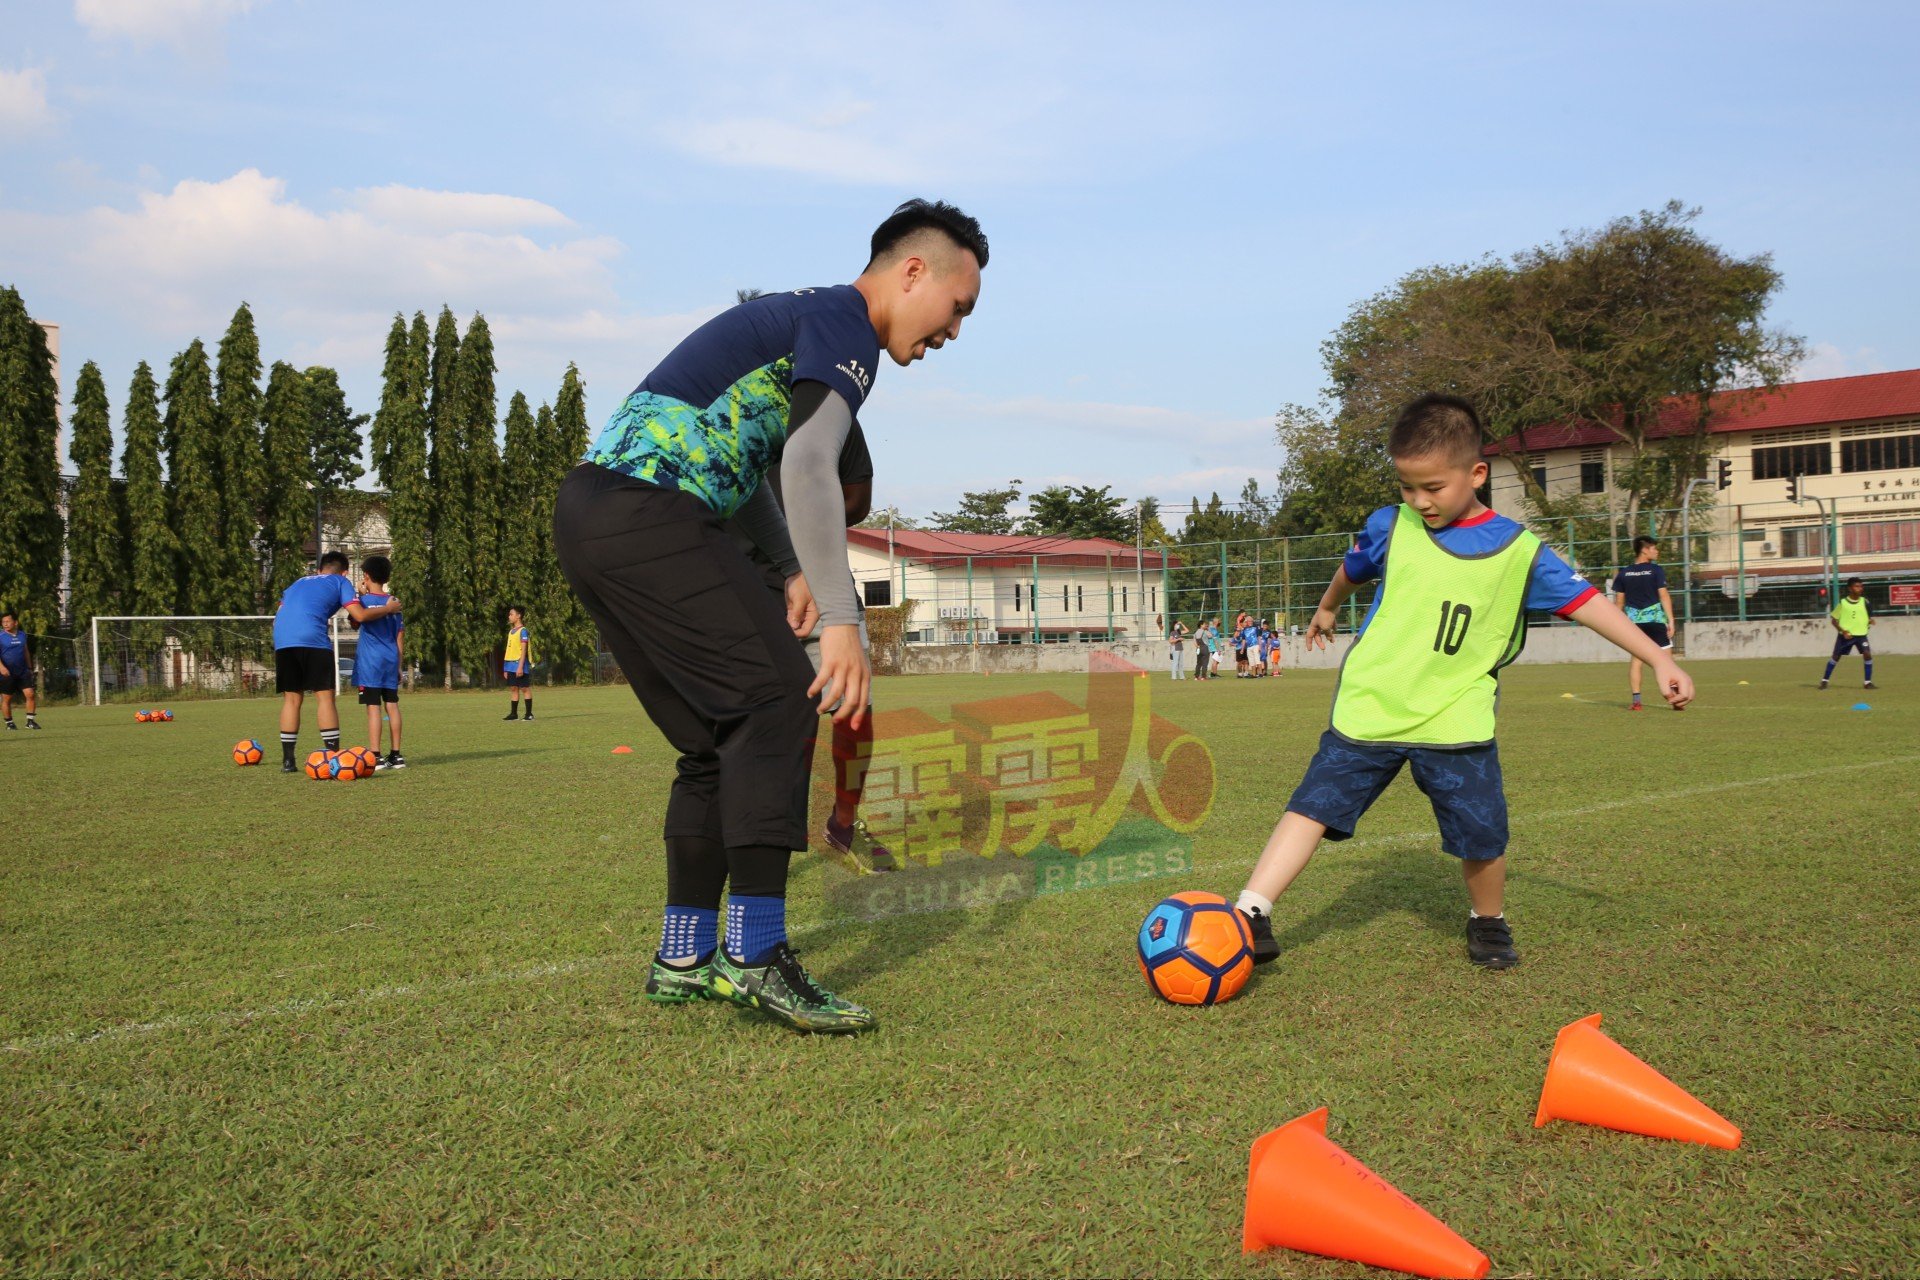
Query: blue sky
1182, 200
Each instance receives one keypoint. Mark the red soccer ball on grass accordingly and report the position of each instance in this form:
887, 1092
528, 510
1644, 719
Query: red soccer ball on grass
1196, 949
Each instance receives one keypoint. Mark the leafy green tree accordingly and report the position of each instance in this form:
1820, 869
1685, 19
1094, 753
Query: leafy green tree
336, 431
569, 636
888, 518
466, 528
288, 503
520, 490
400, 428
1078, 511
153, 584
982, 511
193, 453
1335, 471
450, 552
95, 547
30, 525
240, 467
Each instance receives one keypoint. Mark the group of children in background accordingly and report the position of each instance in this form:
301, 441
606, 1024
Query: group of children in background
304, 659
1256, 648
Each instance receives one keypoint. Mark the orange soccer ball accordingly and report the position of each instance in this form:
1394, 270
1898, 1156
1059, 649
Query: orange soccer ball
246, 752
346, 768
143, 716
320, 766
1196, 949
364, 760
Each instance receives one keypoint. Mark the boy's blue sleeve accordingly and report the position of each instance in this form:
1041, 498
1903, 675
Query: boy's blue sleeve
1363, 562
1554, 587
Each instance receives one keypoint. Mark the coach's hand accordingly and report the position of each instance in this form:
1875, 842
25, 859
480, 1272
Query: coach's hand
802, 612
1320, 630
1675, 685
844, 675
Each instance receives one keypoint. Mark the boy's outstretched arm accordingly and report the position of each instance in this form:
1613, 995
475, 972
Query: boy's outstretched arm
359, 613
1610, 624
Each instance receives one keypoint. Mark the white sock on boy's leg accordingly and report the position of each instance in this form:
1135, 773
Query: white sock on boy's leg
1252, 903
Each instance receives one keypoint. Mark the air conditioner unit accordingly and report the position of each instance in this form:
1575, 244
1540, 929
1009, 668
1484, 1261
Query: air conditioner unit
1769, 548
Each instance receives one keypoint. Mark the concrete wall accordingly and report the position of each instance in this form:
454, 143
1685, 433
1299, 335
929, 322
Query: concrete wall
1793, 638
1544, 645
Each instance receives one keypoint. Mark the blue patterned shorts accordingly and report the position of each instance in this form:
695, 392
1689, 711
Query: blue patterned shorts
1469, 800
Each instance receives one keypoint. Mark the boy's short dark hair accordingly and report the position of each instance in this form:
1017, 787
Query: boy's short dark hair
1642, 542
923, 215
1860, 581
335, 560
1437, 424
514, 608
379, 568
8, 613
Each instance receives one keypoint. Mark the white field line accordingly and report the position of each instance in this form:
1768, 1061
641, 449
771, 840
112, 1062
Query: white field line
528, 973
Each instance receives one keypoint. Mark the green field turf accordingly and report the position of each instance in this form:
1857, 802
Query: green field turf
257, 1025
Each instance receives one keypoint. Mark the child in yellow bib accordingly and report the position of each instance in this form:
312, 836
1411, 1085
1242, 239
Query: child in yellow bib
1851, 618
1421, 680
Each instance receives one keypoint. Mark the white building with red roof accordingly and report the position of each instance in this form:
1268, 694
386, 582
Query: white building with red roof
979, 588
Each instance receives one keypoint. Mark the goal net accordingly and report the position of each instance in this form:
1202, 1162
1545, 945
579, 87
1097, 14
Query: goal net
185, 656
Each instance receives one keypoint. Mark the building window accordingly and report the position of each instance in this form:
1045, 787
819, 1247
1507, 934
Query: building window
1783, 462
1080, 599
1805, 542
1153, 598
1880, 453
1065, 602
1880, 537
1540, 474
878, 594
1016, 597
1593, 477
1123, 599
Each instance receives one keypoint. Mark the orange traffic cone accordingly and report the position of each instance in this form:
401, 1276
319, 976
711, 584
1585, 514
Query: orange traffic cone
1305, 1193
1592, 1080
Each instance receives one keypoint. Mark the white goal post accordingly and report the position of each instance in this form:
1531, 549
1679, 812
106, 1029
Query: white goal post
212, 652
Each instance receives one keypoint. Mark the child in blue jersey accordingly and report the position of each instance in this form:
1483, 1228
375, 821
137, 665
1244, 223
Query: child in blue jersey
303, 651
377, 662
16, 670
1418, 684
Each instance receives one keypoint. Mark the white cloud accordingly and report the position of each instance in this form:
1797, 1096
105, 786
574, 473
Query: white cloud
1825, 360
422, 210
23, 102
181, 23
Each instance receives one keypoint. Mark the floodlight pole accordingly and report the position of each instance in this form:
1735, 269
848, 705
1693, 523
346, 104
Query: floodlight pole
1686, 547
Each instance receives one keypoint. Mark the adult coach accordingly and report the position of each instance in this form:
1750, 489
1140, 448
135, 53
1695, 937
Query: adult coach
16, 670
1640, 590
638, 531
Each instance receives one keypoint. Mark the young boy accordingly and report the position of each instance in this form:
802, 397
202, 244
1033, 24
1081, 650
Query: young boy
378, 661
1418, 683
1640, 589
1851, 618
303, 654
1216, 647
16, 670
717, 665
516, 663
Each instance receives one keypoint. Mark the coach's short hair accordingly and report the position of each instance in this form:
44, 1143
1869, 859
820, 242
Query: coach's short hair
1642, 542
379, 568
1861, 581
924, 215
335, 560
1437, 424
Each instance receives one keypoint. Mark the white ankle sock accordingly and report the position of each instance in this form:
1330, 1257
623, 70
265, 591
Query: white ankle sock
1252, 903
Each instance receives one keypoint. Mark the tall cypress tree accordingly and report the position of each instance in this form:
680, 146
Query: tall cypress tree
450, 553
413, 496
336, 431
152, 582
473, 597
94, 543
288, 507
30, 524
569, 630
193, 450
240, 465
521, 465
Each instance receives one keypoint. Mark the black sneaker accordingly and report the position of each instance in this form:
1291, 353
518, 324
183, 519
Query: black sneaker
528, 716
1490, 942
11, 725
395, 760
288, 766
1867, 685
1823, 684
513, 716
35, 724
1265, 949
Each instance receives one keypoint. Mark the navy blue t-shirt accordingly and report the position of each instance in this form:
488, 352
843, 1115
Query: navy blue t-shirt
1639, 588
13, 651
712, 417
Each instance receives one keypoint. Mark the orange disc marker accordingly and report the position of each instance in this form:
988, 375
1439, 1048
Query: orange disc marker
1305, 1193
623, 751
1592, 1080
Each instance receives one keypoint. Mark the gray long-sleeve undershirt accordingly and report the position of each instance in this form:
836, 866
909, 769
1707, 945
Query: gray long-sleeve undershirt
812, 535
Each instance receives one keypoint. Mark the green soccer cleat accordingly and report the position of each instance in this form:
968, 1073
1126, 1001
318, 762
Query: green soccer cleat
782, 990
668, 985
855, 848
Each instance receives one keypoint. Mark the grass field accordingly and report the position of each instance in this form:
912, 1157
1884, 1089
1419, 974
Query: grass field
257, 1025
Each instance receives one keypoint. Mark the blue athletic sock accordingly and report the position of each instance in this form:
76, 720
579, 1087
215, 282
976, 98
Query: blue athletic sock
755, 926
1869, 675
687, 934
1830, 666
1636, 699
